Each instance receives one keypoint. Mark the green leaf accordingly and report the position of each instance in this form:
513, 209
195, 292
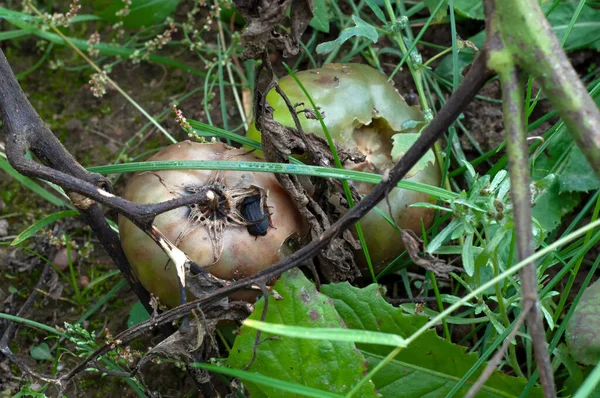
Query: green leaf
376, 10
581, 334
13, 34
362, 29
41, 352
84, 18
465, 56
550, 169
10, 14
577, 174
468, 256
26, 391
142, 12
137, 314
552, 205
443, 235
585, 32
432, 5
469, 8
320, 21
334, 367
429, 366
402, 143
33, 229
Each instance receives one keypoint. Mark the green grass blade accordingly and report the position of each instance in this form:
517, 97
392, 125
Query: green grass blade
104, 48
256, 378
12, 34
122, 283
206, 130
33, 229
333, 334
263, 167
32, 324
30, 184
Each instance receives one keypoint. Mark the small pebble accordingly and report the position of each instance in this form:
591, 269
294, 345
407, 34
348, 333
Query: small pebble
3, 228
83, 281
61, 259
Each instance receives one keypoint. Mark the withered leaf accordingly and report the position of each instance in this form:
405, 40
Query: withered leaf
414, 246
263, 16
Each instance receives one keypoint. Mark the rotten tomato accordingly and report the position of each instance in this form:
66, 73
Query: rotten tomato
362, 110
243, 232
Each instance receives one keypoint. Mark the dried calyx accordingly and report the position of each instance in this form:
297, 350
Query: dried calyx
227, 207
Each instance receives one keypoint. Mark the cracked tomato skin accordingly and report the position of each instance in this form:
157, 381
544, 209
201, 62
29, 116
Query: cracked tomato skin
243, 254
363, 110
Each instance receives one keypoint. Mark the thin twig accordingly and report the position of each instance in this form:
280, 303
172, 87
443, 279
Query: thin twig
263, 317
116, 373
269, 68
25, 131
495, 361
516, 136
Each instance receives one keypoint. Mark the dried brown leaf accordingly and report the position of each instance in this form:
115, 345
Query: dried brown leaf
263, 18
414, 246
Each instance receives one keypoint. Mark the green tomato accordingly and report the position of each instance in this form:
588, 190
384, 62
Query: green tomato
243, 254
362, 109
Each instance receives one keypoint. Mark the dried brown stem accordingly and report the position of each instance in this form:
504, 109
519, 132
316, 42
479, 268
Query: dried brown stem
512, 95
25, 131
495, 361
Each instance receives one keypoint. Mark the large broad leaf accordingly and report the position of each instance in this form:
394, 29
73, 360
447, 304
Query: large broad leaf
585, 32
578, 175
141, 12
430, 366
552, 204
442, 12
327, 365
